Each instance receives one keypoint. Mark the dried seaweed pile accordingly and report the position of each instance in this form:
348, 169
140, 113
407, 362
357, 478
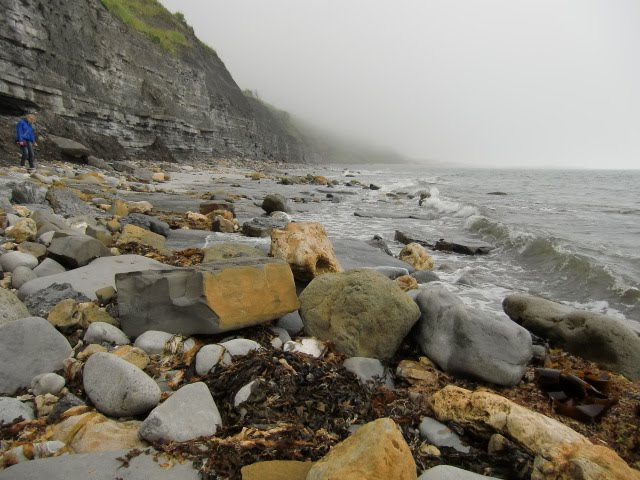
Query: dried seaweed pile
303, 406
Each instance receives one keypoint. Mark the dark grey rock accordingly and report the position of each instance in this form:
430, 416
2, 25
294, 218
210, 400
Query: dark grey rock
379, 243
77, 250
64, 404
118, 388
468, 342
41, 302
124, 167
262, 226
102, 466
274, 202
28, 192
406, 238
98, 163
463, 246
187, 414
147, 222
29, 346
599, 338
69, 147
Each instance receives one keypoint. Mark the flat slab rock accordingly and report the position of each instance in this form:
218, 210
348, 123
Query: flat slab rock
101, 466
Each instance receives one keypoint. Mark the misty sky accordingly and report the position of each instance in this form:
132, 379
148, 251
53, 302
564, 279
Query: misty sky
493, 82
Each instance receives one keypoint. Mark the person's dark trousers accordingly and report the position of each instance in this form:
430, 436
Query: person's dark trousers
27, 154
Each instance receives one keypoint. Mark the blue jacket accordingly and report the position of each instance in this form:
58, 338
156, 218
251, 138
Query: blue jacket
24, 132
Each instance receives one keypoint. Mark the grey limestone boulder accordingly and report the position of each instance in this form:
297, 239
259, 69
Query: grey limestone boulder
600, 338
361, 311
66, 203
28, 192
75, 251
468, 342
209, 298
187, 414
12, 260
28, 347
101, 332
69, 147
22, 275
47, 383
101, 466
98, 274
11, 308
118, 388
12, 410
48, 267
262, 226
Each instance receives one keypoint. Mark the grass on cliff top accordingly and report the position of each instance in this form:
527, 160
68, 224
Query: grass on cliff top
150, 18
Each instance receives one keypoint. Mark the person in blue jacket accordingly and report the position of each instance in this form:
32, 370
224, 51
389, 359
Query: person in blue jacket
26, 139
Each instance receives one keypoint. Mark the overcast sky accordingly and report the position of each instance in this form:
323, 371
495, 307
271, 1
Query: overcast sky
492, 82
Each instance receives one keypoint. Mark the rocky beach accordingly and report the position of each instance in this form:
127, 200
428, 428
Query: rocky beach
180, 321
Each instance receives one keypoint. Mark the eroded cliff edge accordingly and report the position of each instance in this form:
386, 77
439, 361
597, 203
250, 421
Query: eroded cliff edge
86, 71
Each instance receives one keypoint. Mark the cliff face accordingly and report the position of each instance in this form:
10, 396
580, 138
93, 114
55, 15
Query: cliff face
74, 59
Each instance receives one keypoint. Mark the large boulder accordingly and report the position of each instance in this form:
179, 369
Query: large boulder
11, 308
274, 202
69, 147
102, 466
28, 347
468, 342
188, 414
28, 192
67, 203
602, 339
307, 249
118, 388
75, 251
376, 451
98, 274
210, 298
561, 453
361, 311
12, 260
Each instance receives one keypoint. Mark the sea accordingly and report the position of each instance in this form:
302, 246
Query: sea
572, 236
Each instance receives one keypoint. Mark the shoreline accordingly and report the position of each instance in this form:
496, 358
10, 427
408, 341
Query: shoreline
412, 397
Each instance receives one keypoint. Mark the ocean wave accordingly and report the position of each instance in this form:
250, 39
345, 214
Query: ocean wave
448, 207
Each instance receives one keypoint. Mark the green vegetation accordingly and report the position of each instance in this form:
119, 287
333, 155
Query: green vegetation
150, 18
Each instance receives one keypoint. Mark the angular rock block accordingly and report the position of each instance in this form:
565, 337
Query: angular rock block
77, 250
376, 451
210, 298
